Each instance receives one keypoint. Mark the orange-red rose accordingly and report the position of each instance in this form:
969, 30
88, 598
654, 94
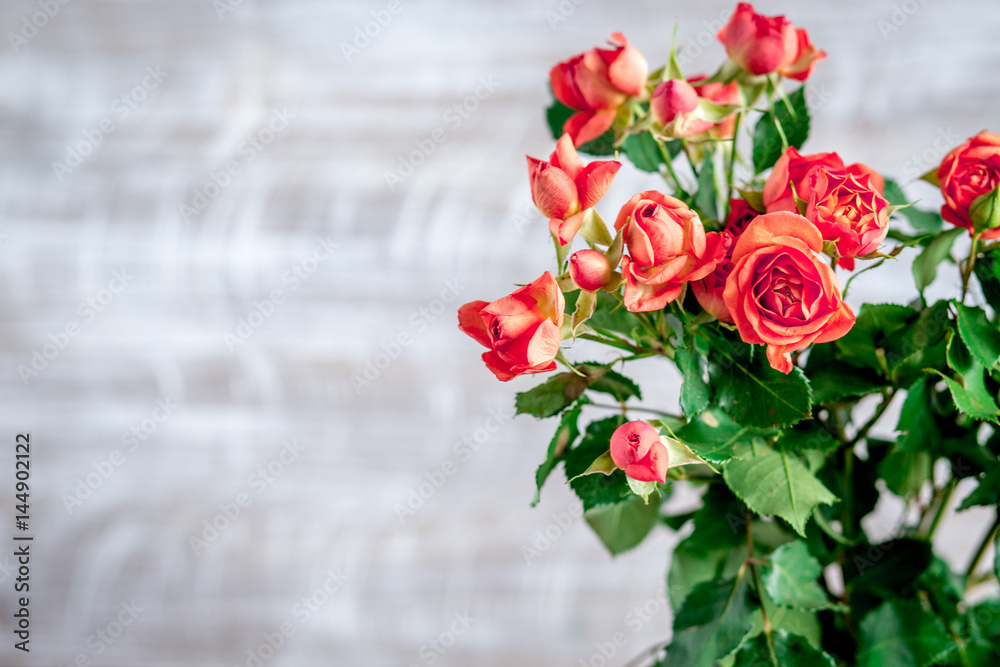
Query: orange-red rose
596, 83
802, 171
673, 104
764, 44
971, 170
563, 188
590, 269
637, 449
848, 211
667, 248
709, 290
780, 293
522, 330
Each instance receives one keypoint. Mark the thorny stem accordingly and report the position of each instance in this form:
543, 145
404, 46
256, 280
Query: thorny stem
752, 562
969, 265
879, 411
732, 163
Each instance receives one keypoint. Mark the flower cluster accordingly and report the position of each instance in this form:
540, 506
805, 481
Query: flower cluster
736, 272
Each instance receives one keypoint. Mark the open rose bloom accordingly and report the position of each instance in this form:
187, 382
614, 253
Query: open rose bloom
780, 293
728, 283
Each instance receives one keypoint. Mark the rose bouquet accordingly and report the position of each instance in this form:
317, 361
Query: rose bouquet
736, 273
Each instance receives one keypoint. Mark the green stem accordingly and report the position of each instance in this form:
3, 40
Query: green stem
969, 266
756, 583
879, 411
983, 546
938, 505
777, 123
665, 155
732, 164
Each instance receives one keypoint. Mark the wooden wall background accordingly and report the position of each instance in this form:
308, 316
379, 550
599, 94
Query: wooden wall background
884, 99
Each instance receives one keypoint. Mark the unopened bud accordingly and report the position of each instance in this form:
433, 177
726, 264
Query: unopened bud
590, 269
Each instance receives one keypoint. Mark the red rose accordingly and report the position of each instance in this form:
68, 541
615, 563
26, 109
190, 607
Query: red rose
971, 170
725, 94
764, 44
637, 449
563, 188
802, 171
848, 211
667, 248
709, 290
782, 295
740, 215
523, 330
596, 83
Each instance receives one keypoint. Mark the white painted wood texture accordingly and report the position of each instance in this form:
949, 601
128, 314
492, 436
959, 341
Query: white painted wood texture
881, 99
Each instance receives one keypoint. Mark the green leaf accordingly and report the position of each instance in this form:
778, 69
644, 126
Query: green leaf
551, 397
790, 578
971, 395
776, 483
901, 633
715, 548
695, 392
807, 436
707, 197
926, 264
916, 419
641, 149
623, 526
981, 336
789, 650
905, 472
987, 270
986, 494
874, 326
596, 490
615, 384
566, 434
710, 623
929, 222
767, 146
754, 394
557, 115
714, 436
610, 315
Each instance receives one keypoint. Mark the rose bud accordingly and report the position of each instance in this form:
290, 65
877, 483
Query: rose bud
563, 188
764, 44
967, 172
780, 293
802, 172
725, 94
590, 269
674, 105
849, 211
637, 449
522, 330
596, 83
667, 248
